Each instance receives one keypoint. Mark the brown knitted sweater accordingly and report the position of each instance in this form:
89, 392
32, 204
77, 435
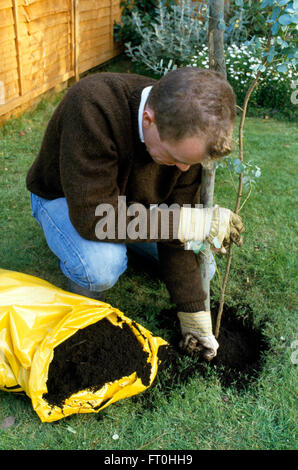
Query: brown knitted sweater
91, 154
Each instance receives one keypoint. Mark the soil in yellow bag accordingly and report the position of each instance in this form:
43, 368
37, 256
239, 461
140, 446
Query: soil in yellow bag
68, 353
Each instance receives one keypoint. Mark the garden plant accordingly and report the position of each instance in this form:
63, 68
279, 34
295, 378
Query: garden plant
248, 63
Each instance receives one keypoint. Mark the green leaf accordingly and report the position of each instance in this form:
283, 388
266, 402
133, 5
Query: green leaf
275, 29
283, 2
285, 20
282, 68
271, 54
239, 167
276, 11
221, 25
216, 243
266, 3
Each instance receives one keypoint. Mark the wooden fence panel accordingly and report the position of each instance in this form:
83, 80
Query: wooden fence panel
9, 77
95, 33
46, 42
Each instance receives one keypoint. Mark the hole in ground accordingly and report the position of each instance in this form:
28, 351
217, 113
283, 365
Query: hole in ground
239, 357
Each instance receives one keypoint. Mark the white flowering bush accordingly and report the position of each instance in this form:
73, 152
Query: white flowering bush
274, 88
178, 37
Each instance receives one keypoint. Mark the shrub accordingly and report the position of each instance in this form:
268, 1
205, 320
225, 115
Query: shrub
244, 21
172, 39
126, 30
274, 88
178, 37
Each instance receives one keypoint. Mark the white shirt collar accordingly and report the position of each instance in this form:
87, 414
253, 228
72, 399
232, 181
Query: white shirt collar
144, 97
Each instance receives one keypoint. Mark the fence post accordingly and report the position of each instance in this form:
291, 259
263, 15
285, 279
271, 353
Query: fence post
76, 44
17, 42
111, 26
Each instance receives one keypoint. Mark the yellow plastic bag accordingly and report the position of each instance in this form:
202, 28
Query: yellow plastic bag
35, 317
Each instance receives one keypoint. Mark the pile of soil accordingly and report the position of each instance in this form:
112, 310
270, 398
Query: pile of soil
93, 356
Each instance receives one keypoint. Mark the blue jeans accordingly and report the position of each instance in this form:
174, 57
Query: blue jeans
94, 265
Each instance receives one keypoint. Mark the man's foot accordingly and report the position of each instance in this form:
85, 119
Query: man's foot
77, 289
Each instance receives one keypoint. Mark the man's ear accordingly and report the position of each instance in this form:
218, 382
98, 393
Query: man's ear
148, 117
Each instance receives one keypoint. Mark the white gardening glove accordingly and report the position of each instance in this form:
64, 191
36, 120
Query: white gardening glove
217, 225
196, 329
226, 227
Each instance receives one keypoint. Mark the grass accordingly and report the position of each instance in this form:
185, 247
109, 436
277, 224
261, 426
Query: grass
198, 413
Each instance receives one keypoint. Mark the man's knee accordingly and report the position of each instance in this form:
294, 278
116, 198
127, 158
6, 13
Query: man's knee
101, 269
109, 268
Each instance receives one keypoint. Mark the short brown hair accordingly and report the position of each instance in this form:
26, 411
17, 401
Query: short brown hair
192, 101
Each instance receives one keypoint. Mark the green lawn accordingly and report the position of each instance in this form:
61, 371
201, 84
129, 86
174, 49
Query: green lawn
198, 413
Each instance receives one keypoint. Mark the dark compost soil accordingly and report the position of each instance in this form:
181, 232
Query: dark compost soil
102, 353
93, 356
239, 357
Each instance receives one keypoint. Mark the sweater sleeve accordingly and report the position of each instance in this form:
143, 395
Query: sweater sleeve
180, 267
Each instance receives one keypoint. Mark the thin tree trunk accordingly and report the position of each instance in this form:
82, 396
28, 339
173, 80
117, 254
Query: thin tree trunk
240, 185
239, 195
216, 62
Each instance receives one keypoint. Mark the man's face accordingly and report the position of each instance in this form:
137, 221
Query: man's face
182, 154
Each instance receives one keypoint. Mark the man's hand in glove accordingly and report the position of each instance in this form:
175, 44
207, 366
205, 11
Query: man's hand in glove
219, 226
196, 329
226, 227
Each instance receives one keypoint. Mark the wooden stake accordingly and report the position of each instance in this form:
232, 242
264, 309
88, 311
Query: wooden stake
216, 62
17, 42
76, 39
